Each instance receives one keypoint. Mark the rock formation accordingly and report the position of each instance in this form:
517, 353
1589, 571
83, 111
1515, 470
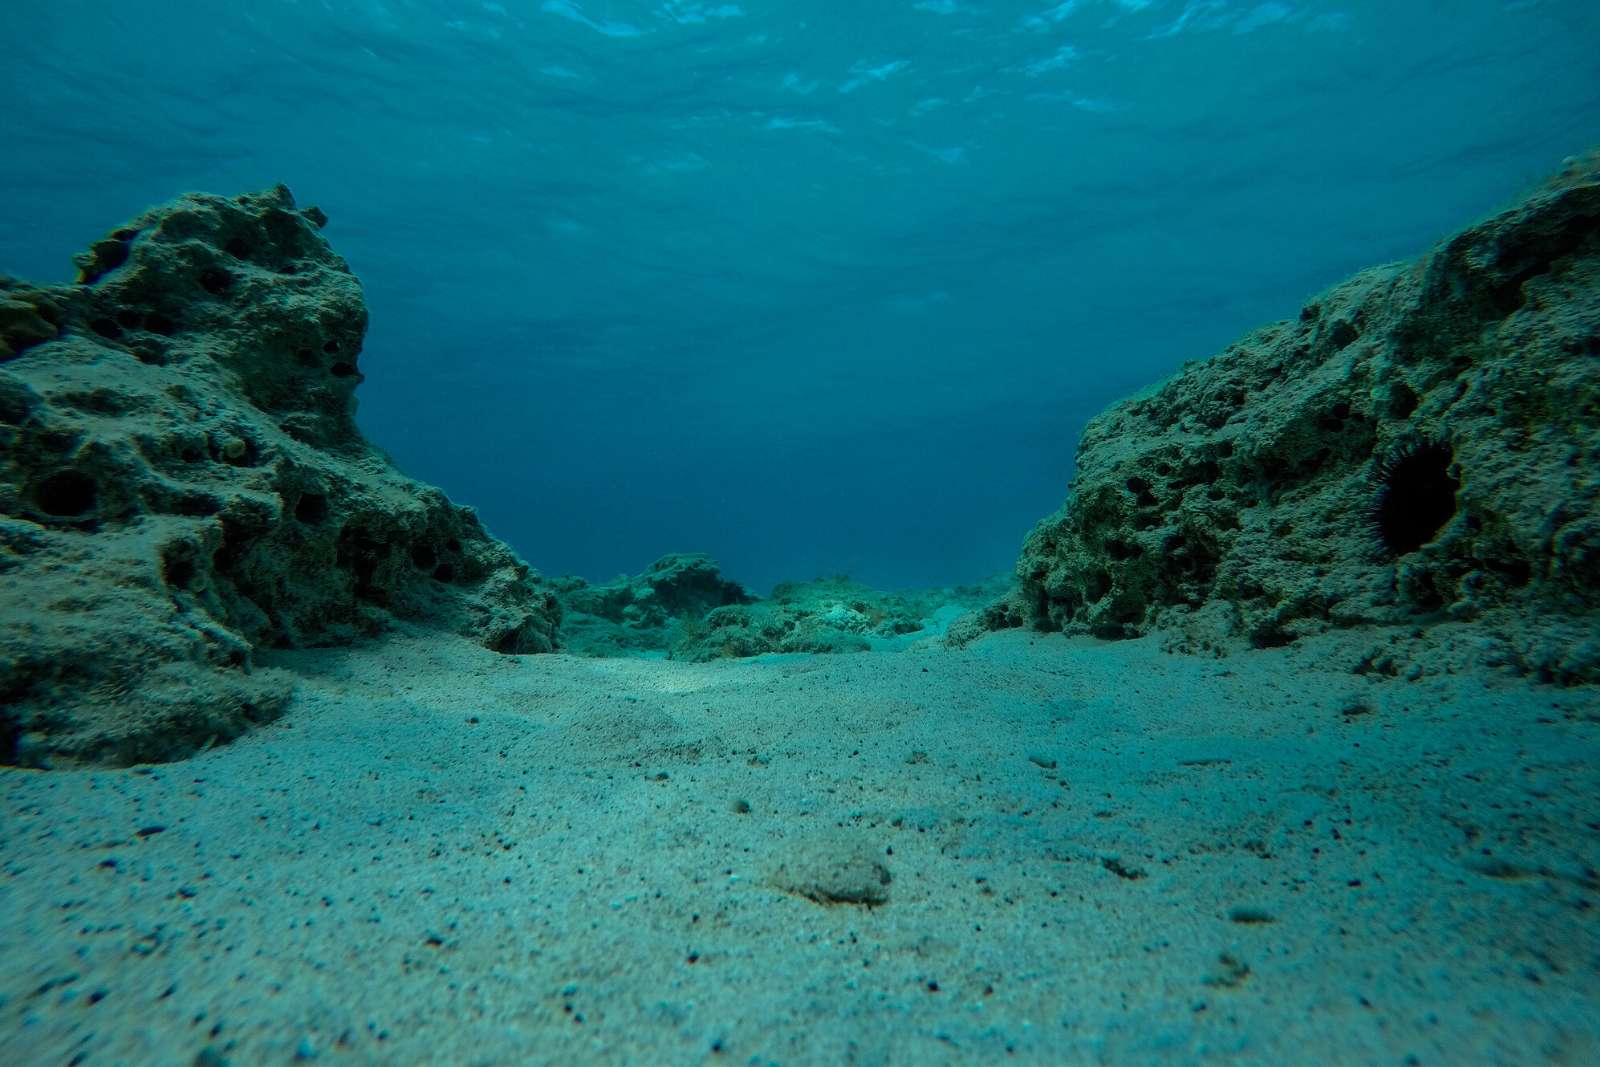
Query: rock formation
821, 615
639, 614
683, 607
1421, 445
182, 482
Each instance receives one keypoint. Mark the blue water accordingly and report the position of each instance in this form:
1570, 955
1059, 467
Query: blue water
814, 287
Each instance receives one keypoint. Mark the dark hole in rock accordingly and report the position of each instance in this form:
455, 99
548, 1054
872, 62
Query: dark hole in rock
1121, 550
156, 322
177, 570
1343, 334
1188, 560
1215, 494
509, 642
67, 494
1310, 313
1225, 449
290, 269
444, 573
361, 554
1138, 485
197, 505
1098, 585
17, 403
236, 541
10, 738
306, 358
1518, 572
311, 508
1402, 400
1414, 496
191, 455
216, 281
59, 440
342, 370
124, 234
1341, 410
129, 319
1509, 296
453, 545
1163, 469
106, 328
423, 557
331, 347
1271, 638
237, 247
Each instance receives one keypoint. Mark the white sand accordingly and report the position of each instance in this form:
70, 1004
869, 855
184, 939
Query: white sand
446, 856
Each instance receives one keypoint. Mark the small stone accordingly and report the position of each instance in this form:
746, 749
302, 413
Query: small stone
835, 872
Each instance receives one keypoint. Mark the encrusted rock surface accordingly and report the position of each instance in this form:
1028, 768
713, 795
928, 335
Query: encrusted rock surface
182, 481
684, 607
634, 613
1236, 500
822, 615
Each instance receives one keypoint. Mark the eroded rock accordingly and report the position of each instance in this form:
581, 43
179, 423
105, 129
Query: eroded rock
1421, 444
182, 482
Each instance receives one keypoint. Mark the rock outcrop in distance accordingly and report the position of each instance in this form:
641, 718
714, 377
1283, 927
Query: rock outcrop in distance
182, 482
682, 607
1419, 446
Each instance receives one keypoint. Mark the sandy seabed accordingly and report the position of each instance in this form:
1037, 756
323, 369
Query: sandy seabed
1035, 850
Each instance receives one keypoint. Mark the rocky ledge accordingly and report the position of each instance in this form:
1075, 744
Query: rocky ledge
182, 482
1419, 446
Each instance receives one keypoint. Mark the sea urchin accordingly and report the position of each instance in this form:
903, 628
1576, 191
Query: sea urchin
1413, 495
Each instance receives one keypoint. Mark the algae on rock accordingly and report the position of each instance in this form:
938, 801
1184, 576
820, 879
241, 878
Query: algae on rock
182, 482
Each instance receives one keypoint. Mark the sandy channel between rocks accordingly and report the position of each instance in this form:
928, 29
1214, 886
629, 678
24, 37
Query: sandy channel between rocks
1034, 850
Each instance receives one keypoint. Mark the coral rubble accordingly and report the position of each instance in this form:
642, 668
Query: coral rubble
683, 607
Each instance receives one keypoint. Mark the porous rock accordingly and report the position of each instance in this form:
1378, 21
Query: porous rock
182, 482
1243, 498
683, 606
641, 613
675, 586
822, 615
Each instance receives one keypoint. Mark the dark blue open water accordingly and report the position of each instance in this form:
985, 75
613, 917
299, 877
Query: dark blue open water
815, 287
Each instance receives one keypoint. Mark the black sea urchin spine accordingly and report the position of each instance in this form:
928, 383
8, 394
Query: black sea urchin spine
1413, 495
